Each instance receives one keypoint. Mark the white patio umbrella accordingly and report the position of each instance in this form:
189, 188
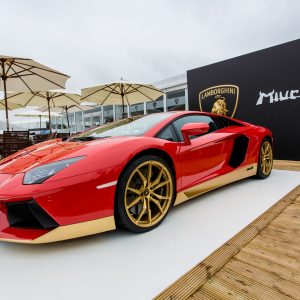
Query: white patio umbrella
26, 75
121, 92
49, 99
67, 109
38, 114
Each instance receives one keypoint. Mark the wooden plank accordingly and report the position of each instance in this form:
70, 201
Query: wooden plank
202, 295
288, 219
286, 165
268, 279
284, 232
250, 287
269, 266
283, 248
221, 290
276, 238
283, 260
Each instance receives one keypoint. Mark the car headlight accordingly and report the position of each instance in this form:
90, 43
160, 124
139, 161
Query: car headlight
40, 174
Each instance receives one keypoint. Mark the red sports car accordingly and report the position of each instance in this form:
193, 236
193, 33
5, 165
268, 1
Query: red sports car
126, 174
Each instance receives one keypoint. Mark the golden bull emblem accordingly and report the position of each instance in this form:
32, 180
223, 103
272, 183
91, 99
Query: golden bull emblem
220, 99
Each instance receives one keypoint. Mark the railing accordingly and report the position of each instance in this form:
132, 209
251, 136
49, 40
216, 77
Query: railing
14, 141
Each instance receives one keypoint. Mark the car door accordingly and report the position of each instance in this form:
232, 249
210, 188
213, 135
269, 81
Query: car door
207, 155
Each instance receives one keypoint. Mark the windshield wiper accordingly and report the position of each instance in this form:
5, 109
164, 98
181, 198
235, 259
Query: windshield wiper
87, 138
83, 138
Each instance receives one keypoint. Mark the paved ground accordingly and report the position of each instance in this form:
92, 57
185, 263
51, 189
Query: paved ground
120, 265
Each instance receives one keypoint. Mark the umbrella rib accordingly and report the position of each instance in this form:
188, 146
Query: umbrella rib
23, 75
126, 91
46, 79
14, 95
131, 91
43, 69
71, 99
98, 90
93, 93
56, 95
30, 99
22, 80
40, 95
142, 93
108, 95
112, 90
9, 67
22, 71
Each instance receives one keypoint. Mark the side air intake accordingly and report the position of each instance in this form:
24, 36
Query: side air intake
28, 214
239, 151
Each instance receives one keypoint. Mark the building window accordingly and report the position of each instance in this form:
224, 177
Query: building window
87, 123
71, 122
78, 121
155, 106
53, 122
119, 112
136, 109
95, 121
108, 114
176, 100
58, 123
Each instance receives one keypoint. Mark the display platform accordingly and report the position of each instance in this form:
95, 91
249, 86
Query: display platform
120, 265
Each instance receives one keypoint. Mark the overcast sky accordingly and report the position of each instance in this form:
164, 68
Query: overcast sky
96, 41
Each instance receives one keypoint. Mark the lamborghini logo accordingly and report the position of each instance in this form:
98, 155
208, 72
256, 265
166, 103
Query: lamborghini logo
220, 99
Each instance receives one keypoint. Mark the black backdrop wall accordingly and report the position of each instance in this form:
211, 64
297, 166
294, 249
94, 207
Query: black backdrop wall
261, 88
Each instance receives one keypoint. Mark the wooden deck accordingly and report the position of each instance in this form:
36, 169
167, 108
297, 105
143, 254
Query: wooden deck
260, 262
286, 165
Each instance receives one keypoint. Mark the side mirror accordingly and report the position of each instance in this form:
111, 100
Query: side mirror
193, 129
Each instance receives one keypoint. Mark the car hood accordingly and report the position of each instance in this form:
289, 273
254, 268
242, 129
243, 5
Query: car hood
48, 152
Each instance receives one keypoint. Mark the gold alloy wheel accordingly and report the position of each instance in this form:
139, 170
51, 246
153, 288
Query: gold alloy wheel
148, 193
266, 158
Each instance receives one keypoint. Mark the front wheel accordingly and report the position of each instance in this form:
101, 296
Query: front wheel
145, 194
265, 159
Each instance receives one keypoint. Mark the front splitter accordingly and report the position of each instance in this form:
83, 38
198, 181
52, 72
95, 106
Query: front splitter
70, 231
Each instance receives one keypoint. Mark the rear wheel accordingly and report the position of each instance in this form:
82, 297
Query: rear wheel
145, 194
265, 160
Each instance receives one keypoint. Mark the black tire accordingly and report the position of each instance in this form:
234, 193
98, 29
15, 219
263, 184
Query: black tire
261, 172
123, 214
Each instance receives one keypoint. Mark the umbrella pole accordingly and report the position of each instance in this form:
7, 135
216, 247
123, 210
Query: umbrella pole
48, 99
6, 105
122, 95
123, 114
40, 122
66, 108
5, 94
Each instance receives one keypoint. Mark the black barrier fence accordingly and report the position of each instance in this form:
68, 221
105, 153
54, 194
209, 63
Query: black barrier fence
262, 88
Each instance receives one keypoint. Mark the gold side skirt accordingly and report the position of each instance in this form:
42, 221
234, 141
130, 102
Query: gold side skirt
71, 231
237, 174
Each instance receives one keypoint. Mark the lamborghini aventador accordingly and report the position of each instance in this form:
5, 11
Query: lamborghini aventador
125, 174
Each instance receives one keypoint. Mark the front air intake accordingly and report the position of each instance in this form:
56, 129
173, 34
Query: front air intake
28, 214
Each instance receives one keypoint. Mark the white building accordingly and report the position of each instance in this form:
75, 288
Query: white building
175, 98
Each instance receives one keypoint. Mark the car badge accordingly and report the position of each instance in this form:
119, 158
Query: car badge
220, 99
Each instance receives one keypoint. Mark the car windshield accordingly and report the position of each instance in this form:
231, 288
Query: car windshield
135, 126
